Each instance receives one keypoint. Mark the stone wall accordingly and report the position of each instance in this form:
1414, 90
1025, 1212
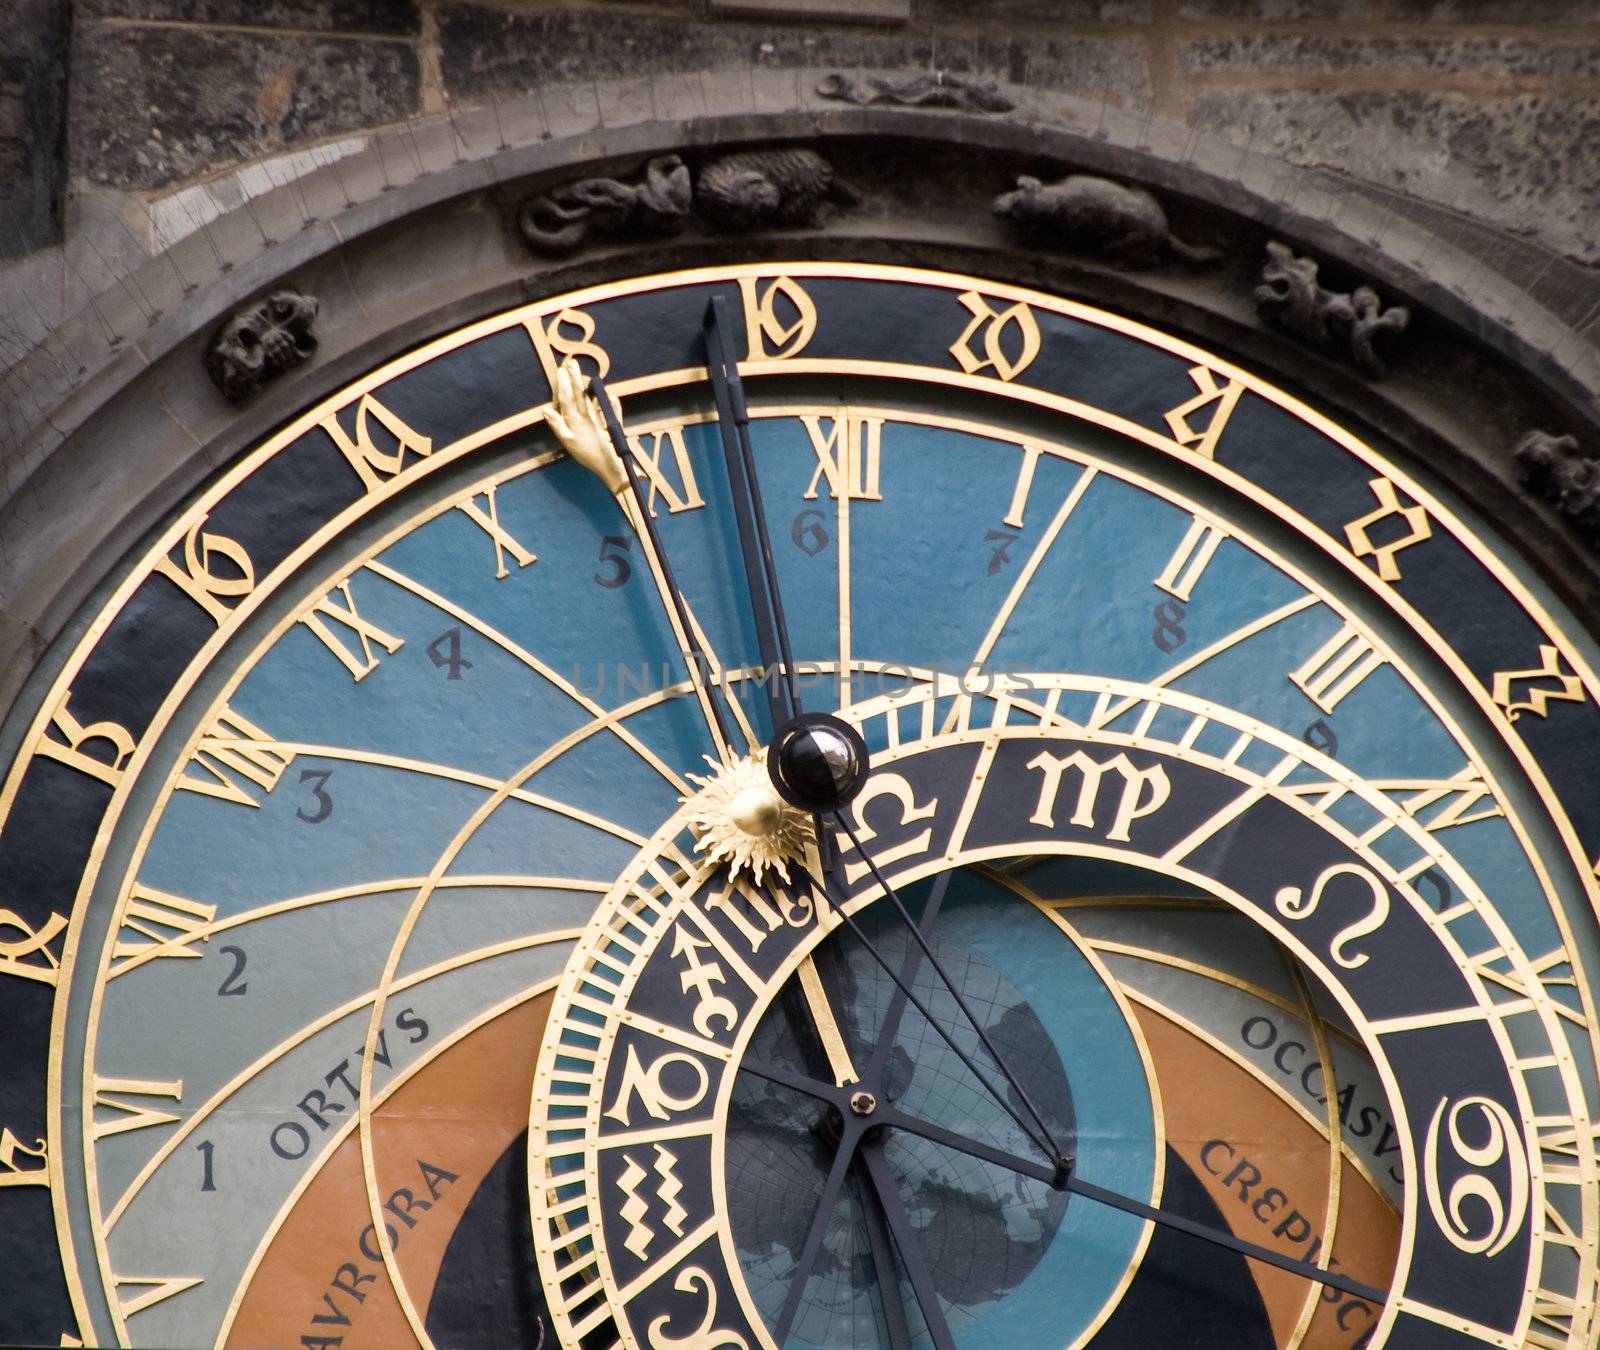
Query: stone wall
33, 50
1480, 121
214, 149
1484, 110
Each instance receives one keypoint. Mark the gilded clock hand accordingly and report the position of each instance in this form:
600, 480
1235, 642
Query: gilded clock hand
766, 606
891, 1118
591, 431
815, 991
588, 426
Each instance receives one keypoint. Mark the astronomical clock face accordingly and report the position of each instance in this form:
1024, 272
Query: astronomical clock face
906, 812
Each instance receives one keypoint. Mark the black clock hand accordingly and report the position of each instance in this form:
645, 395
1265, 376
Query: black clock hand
857, 1112
766, 606
784, 706
1222, 1238
773, 634
761, 575
860, 1145
877, 1226
903, 987
806, 1262
908, 970
887, 1195
1052, 1148
889, 1117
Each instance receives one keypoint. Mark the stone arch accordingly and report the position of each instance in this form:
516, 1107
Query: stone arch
114, 420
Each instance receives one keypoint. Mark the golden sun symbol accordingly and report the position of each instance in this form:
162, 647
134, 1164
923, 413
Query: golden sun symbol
738, 817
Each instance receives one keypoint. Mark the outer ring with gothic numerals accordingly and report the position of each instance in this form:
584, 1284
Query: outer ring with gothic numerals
1118, 511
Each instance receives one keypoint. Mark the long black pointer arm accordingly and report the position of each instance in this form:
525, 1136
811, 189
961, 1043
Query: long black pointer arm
755, 546
892, 1119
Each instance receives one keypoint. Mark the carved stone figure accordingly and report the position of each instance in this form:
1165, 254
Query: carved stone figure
769, 187
1291, 295
566, 218
260, 341
1370, 319
1554, 471
1124, 223
937, 90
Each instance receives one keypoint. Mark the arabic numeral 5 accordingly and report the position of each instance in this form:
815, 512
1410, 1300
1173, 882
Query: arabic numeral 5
613, 552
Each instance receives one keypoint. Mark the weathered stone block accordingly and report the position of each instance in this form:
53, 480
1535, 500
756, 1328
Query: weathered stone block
996, 12
846, 11
486, 51
339, 16
1268, 11
1432, 56
1529, 164
157, 105
1479, 12
32, 110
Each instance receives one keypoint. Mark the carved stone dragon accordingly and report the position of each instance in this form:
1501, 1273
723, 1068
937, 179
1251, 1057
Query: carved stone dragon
938, 90
1291, 295
566, 218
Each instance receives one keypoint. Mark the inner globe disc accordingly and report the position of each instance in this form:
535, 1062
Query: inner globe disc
1012, 1259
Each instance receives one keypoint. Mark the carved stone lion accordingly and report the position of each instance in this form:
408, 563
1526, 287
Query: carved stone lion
261, 341
769, 187
1124, 223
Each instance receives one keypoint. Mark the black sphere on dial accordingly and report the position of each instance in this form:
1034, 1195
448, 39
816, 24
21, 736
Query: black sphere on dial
818, 762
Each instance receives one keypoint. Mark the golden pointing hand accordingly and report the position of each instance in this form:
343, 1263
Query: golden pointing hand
592, 434
575, 417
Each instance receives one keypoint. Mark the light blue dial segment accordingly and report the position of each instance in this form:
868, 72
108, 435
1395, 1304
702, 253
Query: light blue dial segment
454, 688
